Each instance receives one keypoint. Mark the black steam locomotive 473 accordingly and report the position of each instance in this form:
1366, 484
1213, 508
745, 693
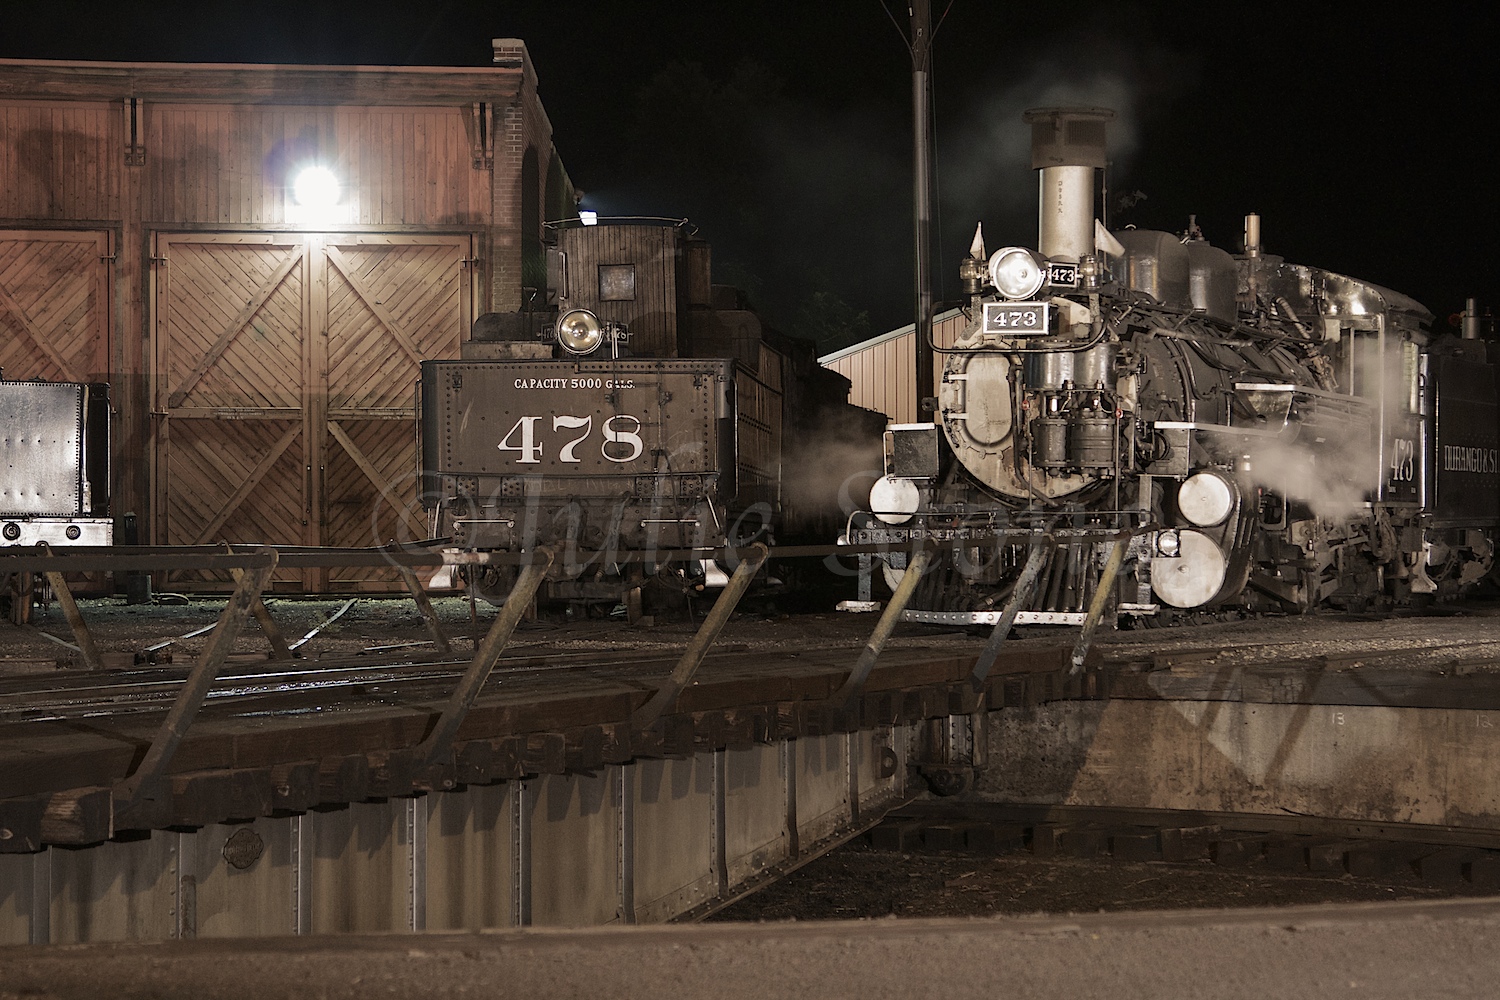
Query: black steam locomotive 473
1266, 435
642, 409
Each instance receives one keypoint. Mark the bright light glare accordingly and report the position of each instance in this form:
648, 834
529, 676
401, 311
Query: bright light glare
316, 188
588, 218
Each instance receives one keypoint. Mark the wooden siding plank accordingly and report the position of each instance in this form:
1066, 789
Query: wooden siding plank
57, 279
233, 330
242, 493
377, 478
23, 322
392, 325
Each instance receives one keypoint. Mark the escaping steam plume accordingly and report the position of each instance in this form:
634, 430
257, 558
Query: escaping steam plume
827, 475
1328, 474
1334, 463
986, 166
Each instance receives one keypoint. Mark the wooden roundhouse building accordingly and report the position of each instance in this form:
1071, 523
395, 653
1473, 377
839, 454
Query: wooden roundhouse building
263, 344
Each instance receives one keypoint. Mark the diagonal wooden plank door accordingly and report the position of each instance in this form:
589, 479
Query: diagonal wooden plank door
231, 448
284, 389
54, 305
391, 301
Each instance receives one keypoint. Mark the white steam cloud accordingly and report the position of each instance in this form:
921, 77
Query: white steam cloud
1334, 464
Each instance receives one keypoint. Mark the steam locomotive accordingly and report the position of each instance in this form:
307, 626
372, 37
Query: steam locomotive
639, 409
1259, 434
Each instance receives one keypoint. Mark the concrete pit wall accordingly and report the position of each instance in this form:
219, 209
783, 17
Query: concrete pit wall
1370, 763
645, 842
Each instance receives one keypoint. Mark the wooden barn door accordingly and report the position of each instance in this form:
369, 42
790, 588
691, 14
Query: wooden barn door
391, 302
230, 381
54, 305
285, 373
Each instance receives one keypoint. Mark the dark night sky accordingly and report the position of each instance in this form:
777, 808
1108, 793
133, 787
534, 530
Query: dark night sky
1358, 135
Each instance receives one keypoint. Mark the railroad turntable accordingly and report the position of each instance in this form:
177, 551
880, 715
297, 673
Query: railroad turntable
304, 796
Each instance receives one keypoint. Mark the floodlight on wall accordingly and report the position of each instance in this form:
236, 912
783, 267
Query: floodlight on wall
588, 218
317, 199
316, 188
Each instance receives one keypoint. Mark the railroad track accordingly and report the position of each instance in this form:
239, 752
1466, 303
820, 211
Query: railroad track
148, 689
1287, 842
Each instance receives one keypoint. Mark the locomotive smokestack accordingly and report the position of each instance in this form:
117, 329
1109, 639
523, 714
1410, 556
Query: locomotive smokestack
1252, 235
1067, 146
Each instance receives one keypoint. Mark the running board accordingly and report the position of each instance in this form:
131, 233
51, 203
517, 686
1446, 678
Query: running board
1022, 617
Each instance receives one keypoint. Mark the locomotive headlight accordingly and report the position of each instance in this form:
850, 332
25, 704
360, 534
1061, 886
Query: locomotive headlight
1017, 273
579, 331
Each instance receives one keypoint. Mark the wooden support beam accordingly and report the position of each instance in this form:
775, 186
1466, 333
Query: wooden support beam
21, 824
294, 786
1042, 546
392, 772
1102, 597
279, 649
344, 779
195, 690
481, 762
916, 567
78, 816
585, 748
86, 648
545, 753
708, 633
425, 609
440, 741
207, 797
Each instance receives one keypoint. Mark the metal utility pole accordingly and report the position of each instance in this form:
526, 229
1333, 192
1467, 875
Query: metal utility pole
921, 98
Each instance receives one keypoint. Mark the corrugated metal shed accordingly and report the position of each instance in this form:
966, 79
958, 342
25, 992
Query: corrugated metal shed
882, 371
